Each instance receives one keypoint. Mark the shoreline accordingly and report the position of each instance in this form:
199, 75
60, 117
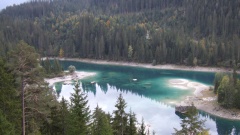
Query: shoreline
77, 75
204, 99
207, 102
148, 65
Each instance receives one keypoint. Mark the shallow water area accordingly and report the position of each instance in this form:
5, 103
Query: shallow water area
185, 84
151, 96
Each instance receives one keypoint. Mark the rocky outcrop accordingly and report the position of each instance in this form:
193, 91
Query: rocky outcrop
183, 109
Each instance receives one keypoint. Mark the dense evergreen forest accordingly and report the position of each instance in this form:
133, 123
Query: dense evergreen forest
189, 32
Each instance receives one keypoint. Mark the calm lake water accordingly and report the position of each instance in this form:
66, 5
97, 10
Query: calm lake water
150, 97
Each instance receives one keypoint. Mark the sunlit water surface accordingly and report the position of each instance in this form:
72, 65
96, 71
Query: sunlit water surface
147, 92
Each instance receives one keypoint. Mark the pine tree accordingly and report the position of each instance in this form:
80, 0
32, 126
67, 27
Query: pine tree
217, 81
36, 96
57, 67
132, 129
53, 124
6, 128
101, 123
141, 130
64, 112
56, 119
9, 99
79, 112
57, 122
119, 124
191, 125
234, 73
47, 66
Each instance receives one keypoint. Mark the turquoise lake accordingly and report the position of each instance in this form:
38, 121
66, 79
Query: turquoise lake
150, 96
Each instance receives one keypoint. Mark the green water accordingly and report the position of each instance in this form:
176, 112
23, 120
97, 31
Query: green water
150, 96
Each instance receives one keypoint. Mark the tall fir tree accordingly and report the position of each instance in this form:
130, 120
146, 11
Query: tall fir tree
79, 113
120, 117
132, 121
53, 124
101, 123
9, 98
65, 114
142, 128
57, 67
6, 128
56, 118
47, 66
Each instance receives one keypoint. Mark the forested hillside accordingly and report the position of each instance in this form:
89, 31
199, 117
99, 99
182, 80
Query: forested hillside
190, 32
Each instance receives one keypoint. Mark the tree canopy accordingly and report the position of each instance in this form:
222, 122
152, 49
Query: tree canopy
169, 31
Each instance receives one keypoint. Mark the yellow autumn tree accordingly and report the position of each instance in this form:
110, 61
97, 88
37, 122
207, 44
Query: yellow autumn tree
108, 23
61, 53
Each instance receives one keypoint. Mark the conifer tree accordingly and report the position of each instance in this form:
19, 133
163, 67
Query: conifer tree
57, 67
53, 124
79, 112
101, 123
191, 125
9, 99
47, 66
56, 119
119, 124
234, 73
6, 128
141, 130
64, 113
36, 96
217, 81
132, 129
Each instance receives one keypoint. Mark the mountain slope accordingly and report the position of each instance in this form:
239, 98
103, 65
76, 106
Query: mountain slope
168, 31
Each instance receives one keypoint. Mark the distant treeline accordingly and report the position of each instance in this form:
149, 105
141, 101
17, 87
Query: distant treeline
186, 32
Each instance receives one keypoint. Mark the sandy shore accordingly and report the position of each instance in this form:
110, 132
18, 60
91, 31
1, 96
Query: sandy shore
207, 102
166, 66
186, 84
68, 78
203, 99
211, 106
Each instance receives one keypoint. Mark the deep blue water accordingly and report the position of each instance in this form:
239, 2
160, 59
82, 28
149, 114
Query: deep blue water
149, 97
